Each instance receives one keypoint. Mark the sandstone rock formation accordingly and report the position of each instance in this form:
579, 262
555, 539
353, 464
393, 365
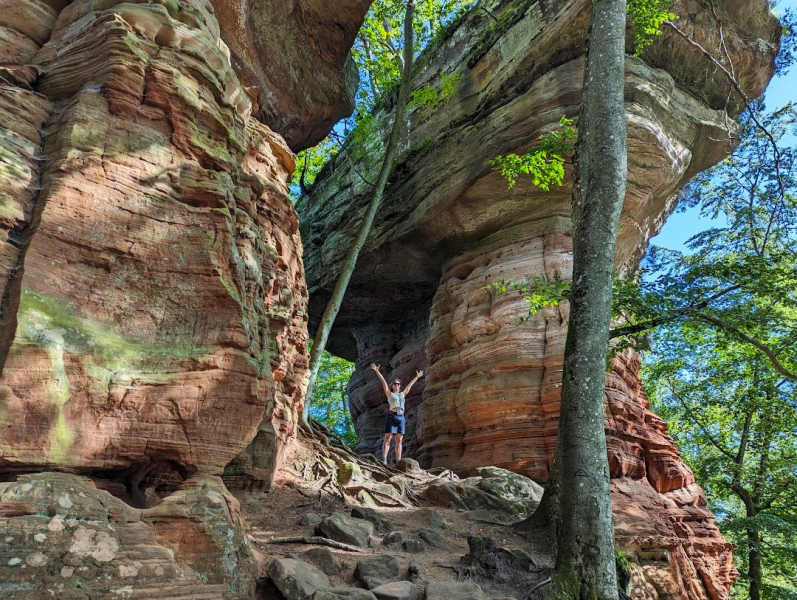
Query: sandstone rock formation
155, 256
449, 227
293, 60
153, 308
64, 538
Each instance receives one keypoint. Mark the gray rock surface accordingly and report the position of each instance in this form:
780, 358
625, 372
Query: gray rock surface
433, 518
374, 571
396, 539
414, 546
454, 591
343, 594
311, 519
432, 538
396, 590
343, 528
369, 514
323, 558
491, 489
295, 579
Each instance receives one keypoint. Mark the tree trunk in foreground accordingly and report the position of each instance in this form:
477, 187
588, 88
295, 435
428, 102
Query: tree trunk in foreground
331, 311
585, 564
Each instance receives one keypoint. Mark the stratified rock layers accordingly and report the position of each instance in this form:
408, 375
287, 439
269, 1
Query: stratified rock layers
154, 306
449, 228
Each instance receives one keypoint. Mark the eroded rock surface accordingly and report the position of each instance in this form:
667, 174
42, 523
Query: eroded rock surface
293, 60
62, 537
157, 264
153, 306
448, 227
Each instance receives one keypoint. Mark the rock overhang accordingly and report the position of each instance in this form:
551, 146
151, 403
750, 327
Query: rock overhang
519, 73
303, 80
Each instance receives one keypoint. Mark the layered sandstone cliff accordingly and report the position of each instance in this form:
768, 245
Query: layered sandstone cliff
153, 312
449, 227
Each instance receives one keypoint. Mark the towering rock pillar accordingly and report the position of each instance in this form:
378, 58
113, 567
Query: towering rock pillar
153, 309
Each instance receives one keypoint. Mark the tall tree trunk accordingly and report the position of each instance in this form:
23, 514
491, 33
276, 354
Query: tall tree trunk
585, 563
754, 572
347, 269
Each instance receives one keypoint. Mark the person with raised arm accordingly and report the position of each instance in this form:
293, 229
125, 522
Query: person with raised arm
394, 419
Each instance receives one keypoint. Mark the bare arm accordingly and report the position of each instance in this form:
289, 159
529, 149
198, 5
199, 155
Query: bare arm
375, 369
406, 390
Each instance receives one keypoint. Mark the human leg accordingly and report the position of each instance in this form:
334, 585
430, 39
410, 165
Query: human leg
399, 438
386, 447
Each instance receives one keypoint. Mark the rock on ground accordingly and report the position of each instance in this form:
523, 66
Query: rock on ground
349, 530
295, 579
374, 571
60, 534
454, 591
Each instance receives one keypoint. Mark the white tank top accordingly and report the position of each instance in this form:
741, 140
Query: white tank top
396, 401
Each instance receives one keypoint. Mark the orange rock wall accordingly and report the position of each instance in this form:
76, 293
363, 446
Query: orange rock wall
152, 253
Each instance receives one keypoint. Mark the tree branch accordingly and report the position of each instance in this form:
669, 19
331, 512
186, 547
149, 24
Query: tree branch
727, 453
746, 101
752, 341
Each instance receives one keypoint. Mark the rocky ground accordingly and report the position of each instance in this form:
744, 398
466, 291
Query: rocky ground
322, 533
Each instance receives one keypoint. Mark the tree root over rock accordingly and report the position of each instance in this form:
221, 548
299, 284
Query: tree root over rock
315, 540
358, 479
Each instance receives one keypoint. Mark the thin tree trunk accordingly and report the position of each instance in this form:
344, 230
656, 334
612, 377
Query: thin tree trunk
347, 269
585, 563
754, 571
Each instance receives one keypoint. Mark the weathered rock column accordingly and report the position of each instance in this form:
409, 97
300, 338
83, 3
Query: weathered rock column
154, 305
492, 392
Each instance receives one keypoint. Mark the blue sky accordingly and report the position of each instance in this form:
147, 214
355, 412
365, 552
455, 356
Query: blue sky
681, 226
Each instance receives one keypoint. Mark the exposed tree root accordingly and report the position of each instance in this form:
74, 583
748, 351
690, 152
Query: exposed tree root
314, 540
354, 479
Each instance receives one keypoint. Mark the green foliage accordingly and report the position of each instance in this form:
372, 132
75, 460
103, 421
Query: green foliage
541, 293
329, 404
310, 162
430, 96
647, 17
544, 162
732, 411
379, 45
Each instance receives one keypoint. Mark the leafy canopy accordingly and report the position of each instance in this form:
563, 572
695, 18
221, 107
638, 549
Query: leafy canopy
329, 404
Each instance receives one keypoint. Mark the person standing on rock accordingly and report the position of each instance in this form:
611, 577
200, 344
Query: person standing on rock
394, 419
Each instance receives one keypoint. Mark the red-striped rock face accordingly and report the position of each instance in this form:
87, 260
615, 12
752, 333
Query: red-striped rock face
154, 302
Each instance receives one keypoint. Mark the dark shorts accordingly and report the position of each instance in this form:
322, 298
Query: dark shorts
394, 423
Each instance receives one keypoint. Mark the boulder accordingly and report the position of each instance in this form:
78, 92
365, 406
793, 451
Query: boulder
432, 538
409, 465
59, 531
454, 591
323, 558
369, 514
492, 489
487, 561
396, 590
343, 594
433, 518
311, 519
342, 528
413, 546
396, 539
295, 579
374, 571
